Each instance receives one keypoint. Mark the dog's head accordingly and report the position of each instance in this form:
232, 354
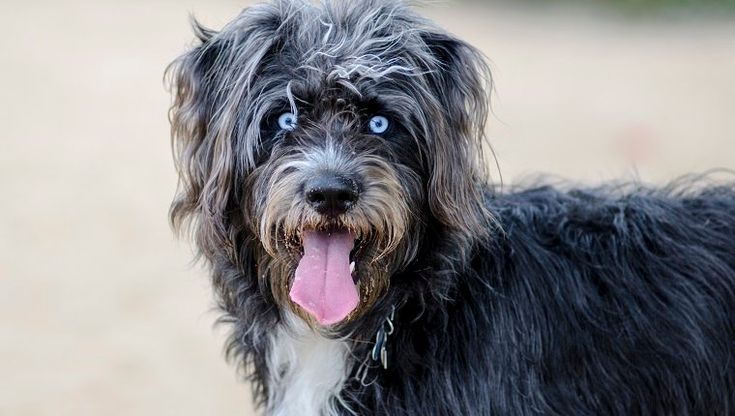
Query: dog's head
322, 149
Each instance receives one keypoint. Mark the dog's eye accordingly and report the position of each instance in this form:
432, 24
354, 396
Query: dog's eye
378, 125
287, 121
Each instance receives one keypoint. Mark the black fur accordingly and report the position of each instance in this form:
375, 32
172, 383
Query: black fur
584, 304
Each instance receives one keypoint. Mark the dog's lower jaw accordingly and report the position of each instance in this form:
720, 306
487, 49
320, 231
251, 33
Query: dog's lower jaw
306, 371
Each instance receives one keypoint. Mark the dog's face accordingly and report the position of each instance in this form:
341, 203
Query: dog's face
318, 145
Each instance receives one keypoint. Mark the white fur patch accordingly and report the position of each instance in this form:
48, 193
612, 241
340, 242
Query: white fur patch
307, 371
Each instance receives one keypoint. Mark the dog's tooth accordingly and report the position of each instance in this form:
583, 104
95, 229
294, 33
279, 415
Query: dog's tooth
352, 267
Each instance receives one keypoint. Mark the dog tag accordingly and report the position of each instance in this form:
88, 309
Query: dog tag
379, 344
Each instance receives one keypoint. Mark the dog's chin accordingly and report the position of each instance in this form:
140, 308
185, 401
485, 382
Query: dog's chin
329, 279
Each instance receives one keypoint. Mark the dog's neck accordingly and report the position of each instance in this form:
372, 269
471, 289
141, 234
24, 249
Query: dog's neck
307, 371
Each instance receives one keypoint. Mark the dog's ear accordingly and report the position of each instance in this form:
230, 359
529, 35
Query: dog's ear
209, 84
188, 78
462, 82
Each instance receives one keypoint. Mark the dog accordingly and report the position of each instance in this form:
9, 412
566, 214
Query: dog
332, 177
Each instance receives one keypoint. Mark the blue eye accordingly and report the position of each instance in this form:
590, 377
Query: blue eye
287, 121
378, 124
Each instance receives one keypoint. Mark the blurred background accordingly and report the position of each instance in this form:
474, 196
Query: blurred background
101, 311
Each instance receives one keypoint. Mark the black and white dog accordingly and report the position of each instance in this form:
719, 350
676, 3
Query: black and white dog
332, 177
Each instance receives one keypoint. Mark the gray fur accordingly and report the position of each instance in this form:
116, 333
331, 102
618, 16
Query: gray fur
321, 62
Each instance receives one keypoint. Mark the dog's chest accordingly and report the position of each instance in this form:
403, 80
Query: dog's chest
306, 371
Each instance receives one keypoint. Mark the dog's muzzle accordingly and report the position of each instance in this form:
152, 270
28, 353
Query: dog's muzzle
323, 283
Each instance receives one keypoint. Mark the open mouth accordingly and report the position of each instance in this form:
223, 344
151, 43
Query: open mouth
325, 282
355, 256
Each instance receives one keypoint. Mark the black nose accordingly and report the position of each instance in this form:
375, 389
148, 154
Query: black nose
331, 194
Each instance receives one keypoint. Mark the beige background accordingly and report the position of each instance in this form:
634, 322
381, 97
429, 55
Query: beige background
100, 312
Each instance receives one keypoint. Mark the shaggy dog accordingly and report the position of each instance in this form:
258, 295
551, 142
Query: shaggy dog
331, 176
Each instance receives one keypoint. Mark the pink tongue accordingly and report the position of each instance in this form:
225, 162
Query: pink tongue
323, 283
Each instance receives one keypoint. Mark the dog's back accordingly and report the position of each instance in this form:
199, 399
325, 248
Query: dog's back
584, 304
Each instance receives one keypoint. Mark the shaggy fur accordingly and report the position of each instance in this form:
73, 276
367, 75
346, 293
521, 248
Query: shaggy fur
614, 301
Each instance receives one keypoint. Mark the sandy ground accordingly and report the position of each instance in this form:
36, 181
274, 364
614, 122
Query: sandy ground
100, 311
